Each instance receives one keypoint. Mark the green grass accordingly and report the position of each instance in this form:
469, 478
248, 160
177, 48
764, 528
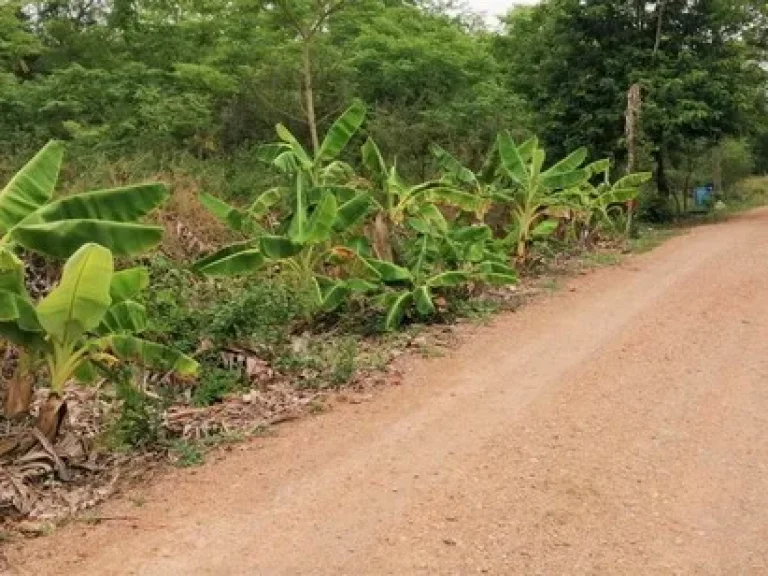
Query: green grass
186, 454
651, 237
601, 259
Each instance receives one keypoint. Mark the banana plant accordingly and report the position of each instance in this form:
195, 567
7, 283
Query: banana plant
316, 212
440, 257
316, 173
394, 200
593, 206
324, 167
89, 316
531, 192
482, 183
306, 247
31, 218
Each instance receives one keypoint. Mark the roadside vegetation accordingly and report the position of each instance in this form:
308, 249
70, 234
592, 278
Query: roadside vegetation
279, 214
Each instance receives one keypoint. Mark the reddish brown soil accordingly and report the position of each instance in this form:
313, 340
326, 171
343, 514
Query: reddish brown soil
619, 426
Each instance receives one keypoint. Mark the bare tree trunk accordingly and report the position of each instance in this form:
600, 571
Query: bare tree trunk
309, 95
632, 125
634, 103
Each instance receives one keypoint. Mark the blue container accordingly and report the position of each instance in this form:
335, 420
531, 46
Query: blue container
703, 195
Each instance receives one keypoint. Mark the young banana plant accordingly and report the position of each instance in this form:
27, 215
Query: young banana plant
32, 218
531, 192
394, 200
439, 258
88, 316
319, 209
88, 319
593, 205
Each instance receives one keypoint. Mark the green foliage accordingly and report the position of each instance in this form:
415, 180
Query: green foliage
214, 385
32, 219
318, 209
139, 423
78, 325
575, 61
188, 310
187, 454
532, 191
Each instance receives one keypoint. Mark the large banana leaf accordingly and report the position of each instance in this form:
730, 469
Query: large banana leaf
352, 212
565, 179
534, 169
397, 305
423, 300
527, 148
387, 272
374, 161
225, 213
128, 316
127, 283
330, 293
320, 223
233, 260
449, 279
633, 180
148, 354
104, 217
297, 149
11, 273
31, 187
265, 202
511, 160
297, 228
80, 300
456, 170
126, 204
61, 239
567, 164
341, 132
279, 247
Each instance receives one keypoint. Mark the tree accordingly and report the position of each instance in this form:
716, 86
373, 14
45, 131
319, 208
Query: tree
694, 60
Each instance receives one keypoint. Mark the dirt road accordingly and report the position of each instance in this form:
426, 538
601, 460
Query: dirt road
619, 426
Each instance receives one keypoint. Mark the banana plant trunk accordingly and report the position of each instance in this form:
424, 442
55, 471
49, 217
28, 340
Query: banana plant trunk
19, 394
382, 237
51, 416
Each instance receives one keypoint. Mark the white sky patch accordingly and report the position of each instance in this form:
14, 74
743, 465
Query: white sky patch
491, 10
496, 7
